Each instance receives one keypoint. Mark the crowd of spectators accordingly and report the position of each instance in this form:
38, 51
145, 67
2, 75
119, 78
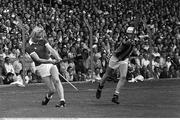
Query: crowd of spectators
63, 20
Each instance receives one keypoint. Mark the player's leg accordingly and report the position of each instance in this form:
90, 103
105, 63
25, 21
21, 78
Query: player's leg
102, 82
58, 85
51, 89
123, 72
113, 64
107, 74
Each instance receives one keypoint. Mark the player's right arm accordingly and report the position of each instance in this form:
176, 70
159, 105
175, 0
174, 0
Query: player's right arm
37, 59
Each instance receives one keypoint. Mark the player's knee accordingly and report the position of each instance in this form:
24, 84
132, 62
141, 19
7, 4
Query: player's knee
108, 73
56, 81
123, 78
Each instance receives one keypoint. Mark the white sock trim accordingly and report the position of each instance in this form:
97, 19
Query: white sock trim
62, 99
49, 97
116, 92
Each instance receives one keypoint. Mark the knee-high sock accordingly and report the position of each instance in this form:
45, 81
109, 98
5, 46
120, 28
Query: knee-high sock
57, 82
60, 89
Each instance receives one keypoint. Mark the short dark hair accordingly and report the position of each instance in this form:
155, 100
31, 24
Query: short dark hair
6, 58
29, 71
9, 74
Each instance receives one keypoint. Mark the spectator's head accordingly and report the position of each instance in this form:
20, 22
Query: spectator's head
7, 60
70, 70
85, 54
29, 73
168, 59
156, 69
95, 49
103, 54
9, 76
157, 59
6, 50
89, 71
155, 49
64, 49
20, 57
146, 56
97, 70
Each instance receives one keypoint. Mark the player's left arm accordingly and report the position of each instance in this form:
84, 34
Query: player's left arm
133, 54
53, 52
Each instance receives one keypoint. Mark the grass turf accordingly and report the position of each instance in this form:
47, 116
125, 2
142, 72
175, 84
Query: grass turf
152, 99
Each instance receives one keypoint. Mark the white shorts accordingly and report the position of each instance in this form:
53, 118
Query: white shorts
44, 69
114, 63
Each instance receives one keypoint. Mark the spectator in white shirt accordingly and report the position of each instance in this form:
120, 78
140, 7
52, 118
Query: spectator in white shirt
145, 61
162, 60
5, 52
13, 54
28, 77
168, 62
156, 63
156, 53
8, 66
17, 65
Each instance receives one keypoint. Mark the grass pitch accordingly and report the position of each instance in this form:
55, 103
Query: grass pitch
152, 99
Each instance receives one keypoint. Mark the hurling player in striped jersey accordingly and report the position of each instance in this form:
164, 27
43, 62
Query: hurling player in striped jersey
119, 59
40, 51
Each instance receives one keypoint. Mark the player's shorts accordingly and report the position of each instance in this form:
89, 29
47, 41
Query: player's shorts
44, 70
114, 63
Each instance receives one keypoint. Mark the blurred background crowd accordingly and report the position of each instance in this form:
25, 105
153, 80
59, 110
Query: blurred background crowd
158, 50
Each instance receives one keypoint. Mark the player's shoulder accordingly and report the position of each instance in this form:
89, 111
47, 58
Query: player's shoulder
29, 49
42, 42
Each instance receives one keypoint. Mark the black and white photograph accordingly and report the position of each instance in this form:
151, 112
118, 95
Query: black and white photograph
89, 59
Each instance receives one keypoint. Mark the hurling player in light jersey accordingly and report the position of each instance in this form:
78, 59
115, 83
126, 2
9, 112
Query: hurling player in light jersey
119, 59
40, 51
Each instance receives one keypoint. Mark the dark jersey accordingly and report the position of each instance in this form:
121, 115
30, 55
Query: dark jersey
124, 51
40, 49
